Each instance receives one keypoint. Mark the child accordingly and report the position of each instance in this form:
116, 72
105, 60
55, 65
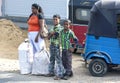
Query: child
66, 36
55, 48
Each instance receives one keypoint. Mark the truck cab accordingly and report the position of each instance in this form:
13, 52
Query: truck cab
79, 14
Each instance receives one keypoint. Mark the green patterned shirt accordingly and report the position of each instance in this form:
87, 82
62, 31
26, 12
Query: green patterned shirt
66, 37
56, 40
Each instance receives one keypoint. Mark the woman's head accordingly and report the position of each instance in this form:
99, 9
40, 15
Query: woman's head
36, 8
67, 24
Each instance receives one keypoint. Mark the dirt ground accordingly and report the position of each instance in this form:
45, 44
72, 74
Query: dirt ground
9, 62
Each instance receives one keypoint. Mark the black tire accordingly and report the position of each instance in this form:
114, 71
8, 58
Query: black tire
98, 67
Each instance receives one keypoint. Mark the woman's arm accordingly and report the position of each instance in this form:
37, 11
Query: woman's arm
41, 24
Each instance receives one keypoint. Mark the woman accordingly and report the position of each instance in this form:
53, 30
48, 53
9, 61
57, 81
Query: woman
36, 25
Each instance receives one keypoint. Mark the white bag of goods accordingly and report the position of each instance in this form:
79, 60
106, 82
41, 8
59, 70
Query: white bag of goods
25, 51
41, 63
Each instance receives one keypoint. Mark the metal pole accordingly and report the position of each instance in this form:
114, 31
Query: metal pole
3, 8
72, 15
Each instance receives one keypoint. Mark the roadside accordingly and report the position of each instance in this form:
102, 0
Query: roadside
9, 72
9, 64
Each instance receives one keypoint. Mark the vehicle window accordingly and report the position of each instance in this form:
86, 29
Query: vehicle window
83, 14
87, 2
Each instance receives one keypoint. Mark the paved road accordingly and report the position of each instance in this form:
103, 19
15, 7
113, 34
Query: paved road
81, 75
12, 73
9, 77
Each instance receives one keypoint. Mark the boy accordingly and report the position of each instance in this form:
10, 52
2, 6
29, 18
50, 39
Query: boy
66, 36
55, 48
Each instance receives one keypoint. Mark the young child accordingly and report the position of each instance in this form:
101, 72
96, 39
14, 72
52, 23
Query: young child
54, 37
66, 36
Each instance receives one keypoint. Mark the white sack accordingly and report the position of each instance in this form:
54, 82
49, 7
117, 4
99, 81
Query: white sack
41, 63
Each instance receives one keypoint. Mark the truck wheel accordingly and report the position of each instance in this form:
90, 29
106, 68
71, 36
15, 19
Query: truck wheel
98, 67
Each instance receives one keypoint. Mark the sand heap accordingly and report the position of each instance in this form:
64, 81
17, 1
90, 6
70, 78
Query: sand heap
10, 32
11, 36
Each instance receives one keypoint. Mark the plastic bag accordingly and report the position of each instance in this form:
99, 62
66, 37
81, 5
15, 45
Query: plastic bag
41, 63
44, 34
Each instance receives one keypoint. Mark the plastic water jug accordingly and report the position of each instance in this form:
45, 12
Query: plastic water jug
25, 51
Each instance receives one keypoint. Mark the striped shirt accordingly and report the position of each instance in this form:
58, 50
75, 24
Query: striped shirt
66, 37
56, 39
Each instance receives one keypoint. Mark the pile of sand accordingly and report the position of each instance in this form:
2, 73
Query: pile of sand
11, 37
10, 32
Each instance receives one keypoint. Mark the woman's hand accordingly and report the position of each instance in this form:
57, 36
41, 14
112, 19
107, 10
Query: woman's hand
50, 35
41, 31
36, 39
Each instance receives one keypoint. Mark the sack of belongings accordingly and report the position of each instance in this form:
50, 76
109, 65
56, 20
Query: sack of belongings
41, 63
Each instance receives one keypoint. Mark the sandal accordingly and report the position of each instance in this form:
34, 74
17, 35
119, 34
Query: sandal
49, 75
57, 78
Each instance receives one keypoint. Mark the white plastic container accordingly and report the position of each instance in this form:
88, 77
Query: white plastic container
25, 57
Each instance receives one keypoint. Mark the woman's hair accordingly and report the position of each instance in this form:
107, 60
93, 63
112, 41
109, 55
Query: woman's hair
38, 7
